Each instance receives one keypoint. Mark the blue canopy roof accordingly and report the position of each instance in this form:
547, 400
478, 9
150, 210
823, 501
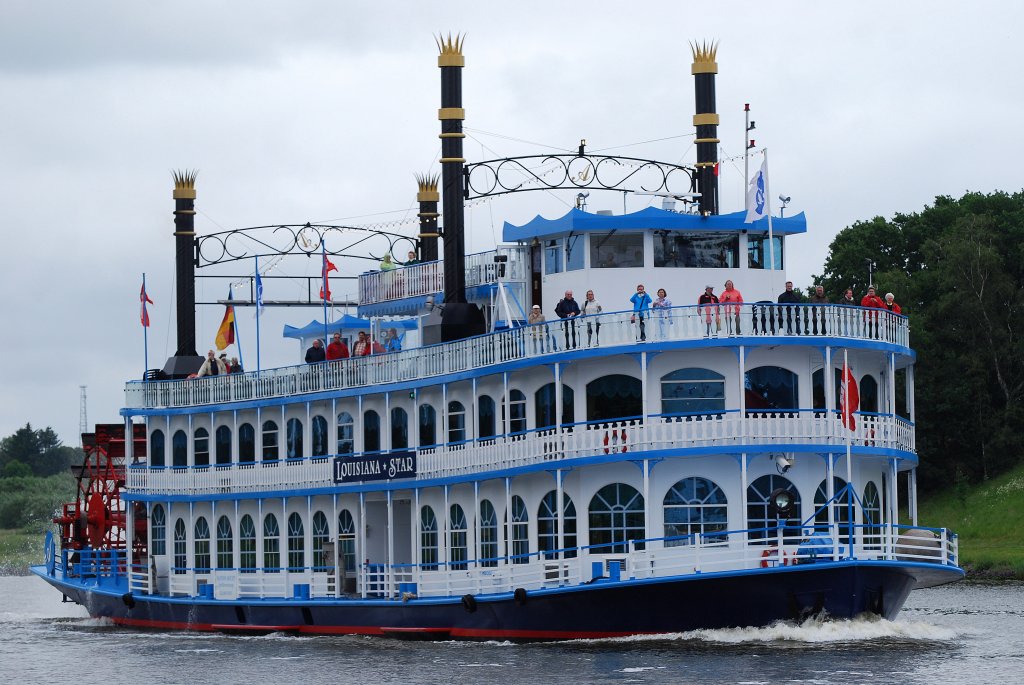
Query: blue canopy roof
346, 322
649, 218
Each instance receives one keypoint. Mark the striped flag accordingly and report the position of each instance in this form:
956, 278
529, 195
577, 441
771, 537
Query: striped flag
226, 332
143, 299
328, 267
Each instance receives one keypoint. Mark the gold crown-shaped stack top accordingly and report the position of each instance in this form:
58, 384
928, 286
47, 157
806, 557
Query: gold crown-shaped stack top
184, 184
451, 51
704, 55
427, 188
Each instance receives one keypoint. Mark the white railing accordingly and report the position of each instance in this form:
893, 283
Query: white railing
761, 322
763, 428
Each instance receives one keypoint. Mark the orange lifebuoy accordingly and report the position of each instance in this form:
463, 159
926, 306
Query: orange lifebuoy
624, 448
781, 558
606, 442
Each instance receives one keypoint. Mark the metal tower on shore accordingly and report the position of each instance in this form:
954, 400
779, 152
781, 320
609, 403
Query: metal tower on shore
83, 418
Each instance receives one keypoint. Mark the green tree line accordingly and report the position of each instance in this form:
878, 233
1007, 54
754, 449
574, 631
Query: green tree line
34, 476
957, 269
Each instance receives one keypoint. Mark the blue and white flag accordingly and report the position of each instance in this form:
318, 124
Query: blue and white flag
259, 293
757, 195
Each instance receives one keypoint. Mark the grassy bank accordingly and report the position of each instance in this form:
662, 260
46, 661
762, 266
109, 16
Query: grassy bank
20, 549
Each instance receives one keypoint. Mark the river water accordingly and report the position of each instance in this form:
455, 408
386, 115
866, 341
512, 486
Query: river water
964, 633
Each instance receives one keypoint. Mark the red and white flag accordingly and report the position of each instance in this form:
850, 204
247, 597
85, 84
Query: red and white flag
325, 288
849, 398
143, 299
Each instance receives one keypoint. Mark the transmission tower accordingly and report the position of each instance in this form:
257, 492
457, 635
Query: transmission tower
83, 419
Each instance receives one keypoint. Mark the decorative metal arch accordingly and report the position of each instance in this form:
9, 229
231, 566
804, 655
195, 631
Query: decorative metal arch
283, 239
575, 171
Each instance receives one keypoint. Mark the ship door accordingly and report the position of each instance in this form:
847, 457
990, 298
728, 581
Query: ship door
377, 547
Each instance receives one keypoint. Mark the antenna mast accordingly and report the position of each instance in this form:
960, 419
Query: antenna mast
83, 418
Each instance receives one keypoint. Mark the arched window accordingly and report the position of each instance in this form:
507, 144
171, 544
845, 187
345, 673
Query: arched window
180, 548
869, 394
223, 442
614, 397
247, 544
201, 537
321, 535
616, 516
516, 412
296, 543
347, 536
818, 389
488, 534
520, 531
271, 545
371, 431
179, 450
246, 444
428, 539
270, 441
158, 524
872, 517
485, 417
319, 427
346, 434
457, 548
762, 521
547, 526
692, 391
840, 508
544, 401
771, 388
201, 446
456, 422
695, 507
428, 426
293, 437
225, 544
399, 429
156, 448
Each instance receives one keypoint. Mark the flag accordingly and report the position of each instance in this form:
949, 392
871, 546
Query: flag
144, 298
717, 168
849, 398
325, 289
226, 332
757, 195
259, 293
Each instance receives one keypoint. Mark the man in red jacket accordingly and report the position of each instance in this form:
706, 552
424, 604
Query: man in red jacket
337, 349
873, 301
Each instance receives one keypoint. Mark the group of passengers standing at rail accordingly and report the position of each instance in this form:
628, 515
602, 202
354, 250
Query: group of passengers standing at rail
364, 346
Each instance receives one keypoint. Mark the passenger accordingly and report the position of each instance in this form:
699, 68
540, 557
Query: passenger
235, 366
732, 299
591, 307
707, 305
386, 264
890, 304
378, 347
641, 308
663, 308
872, 301
393, 343
537, 331
411, 259
337, 349
790, 297
362, 346
316, 353
212, 366
818, 312
847, 298
568, 309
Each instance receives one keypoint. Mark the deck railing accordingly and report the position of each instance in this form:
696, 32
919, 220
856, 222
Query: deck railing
758, 323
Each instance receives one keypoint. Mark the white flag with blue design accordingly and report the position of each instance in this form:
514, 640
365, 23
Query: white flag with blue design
757, 195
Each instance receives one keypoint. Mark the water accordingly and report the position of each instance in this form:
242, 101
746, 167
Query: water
965, 633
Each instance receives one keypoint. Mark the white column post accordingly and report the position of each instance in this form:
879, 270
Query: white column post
560, 509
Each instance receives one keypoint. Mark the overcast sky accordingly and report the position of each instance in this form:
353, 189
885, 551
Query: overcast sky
317, 111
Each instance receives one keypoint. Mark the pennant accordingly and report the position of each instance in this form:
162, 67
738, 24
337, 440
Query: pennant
259, 293
144, 298
226, 332
717, 168
328, 267
849, 398
757, 195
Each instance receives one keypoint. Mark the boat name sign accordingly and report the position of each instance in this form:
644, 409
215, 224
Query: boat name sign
348, 469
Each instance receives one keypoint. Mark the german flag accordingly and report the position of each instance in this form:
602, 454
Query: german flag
226, 332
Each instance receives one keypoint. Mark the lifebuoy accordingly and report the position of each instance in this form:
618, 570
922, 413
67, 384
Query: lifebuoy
780, 557
606, 442
624, 448
469, 603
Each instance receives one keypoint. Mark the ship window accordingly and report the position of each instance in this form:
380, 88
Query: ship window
695, 506
158, 523
428, 539
547, 526
371, 431
614, 397
201, 536
457, 550
399, 429
872, 511
517, 412
456, 422
488, 534
179, 449
156, 448
269, 441
294, 439
840, 508
692, 391
761, 519
180, 548
296, 543
758, 253
485, 418
553, 254
616, 250
616, 516
574, 252
271, 545
696, 250
247, 544
319, 436
225, 542
869, 394
428, 426
223, 445
201, 447
346, 434
321, 535
544, 401
818, 389
771, 388
520, 531
246, 443
347, 536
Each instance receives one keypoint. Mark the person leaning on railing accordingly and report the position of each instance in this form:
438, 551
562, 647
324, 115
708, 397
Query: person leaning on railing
818, 312
707, 304
591, 307
733, 301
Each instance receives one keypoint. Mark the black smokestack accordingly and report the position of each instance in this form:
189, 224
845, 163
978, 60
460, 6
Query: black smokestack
704, 69
428, 197
185, 359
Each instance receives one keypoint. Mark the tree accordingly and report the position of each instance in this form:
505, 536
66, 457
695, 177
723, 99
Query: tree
40, 450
